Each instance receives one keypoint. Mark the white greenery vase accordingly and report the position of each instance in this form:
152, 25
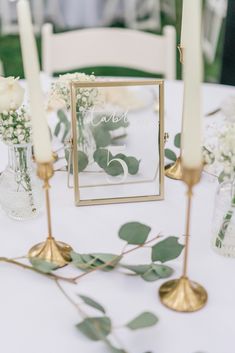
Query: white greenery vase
223, 241
20, 189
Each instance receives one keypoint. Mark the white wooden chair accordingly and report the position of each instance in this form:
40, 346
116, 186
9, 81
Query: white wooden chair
121, 47
214, 14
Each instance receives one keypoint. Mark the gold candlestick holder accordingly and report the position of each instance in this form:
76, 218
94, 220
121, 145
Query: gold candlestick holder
174, 171
182, 294
50, 250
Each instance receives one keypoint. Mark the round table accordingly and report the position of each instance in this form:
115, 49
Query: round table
34, 315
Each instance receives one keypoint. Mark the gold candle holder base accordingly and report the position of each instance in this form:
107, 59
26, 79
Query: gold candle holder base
183, 295
52, 251
174, 171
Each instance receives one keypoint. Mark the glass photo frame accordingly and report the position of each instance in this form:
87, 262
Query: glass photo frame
117, 141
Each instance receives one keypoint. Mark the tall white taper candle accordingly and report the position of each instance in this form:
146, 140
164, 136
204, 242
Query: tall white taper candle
192, 68
41, 137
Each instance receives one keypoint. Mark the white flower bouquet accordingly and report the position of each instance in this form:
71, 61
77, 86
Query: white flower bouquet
15, 125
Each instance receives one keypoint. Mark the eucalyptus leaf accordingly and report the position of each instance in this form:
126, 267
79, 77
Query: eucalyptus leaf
143, 320
114, 349
43, 266
102, 136
150, 272
133, 165
62, 116
166, 250
57, 129
92, 303
137, 269
177, 140
101, 157
156, 272
134, 233
169, 154
87, 262
83, 161
95, 328
114, 168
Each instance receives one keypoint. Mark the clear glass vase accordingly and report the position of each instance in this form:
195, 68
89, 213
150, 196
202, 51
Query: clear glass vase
86, 141
223, 241
20, 189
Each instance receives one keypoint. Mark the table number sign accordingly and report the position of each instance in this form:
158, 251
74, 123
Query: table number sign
117, 141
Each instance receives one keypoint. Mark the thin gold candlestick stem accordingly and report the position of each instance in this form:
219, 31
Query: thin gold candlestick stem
52, 251
188, 218
182, 294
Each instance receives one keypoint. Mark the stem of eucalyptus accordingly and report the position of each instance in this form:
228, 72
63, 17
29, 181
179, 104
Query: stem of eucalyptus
27, 267
110, 263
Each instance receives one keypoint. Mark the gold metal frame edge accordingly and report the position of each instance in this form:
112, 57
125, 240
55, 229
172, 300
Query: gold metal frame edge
79, 84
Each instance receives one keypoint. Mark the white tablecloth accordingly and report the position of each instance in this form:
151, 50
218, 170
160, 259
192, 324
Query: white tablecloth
34, 315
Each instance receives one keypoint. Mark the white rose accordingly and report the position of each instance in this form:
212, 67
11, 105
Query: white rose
11, 94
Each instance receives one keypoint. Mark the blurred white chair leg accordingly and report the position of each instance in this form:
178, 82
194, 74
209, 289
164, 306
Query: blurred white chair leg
135, 9
214, 14
1, 69
55, 13
111, 10
7, 25
169, 8
38, 14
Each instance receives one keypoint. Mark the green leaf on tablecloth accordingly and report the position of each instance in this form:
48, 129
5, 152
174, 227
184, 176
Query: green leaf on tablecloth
87, 262
113, 349
137, 269
95, 328
91, 302
156, 272
43, 266
177, 140
82, 161
151, 272
169, 154
167, 249
134, 233
143, 320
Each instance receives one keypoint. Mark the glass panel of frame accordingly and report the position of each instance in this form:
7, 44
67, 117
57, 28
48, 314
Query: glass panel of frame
118, 141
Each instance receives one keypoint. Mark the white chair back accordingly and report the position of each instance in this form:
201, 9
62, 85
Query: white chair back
214, 13
121, 47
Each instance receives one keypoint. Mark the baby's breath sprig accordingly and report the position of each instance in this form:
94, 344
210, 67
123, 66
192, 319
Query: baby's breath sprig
15, 126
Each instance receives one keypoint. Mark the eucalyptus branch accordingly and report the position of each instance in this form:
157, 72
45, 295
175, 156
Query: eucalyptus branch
110, 263
86, 316
76, 305
31, 268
